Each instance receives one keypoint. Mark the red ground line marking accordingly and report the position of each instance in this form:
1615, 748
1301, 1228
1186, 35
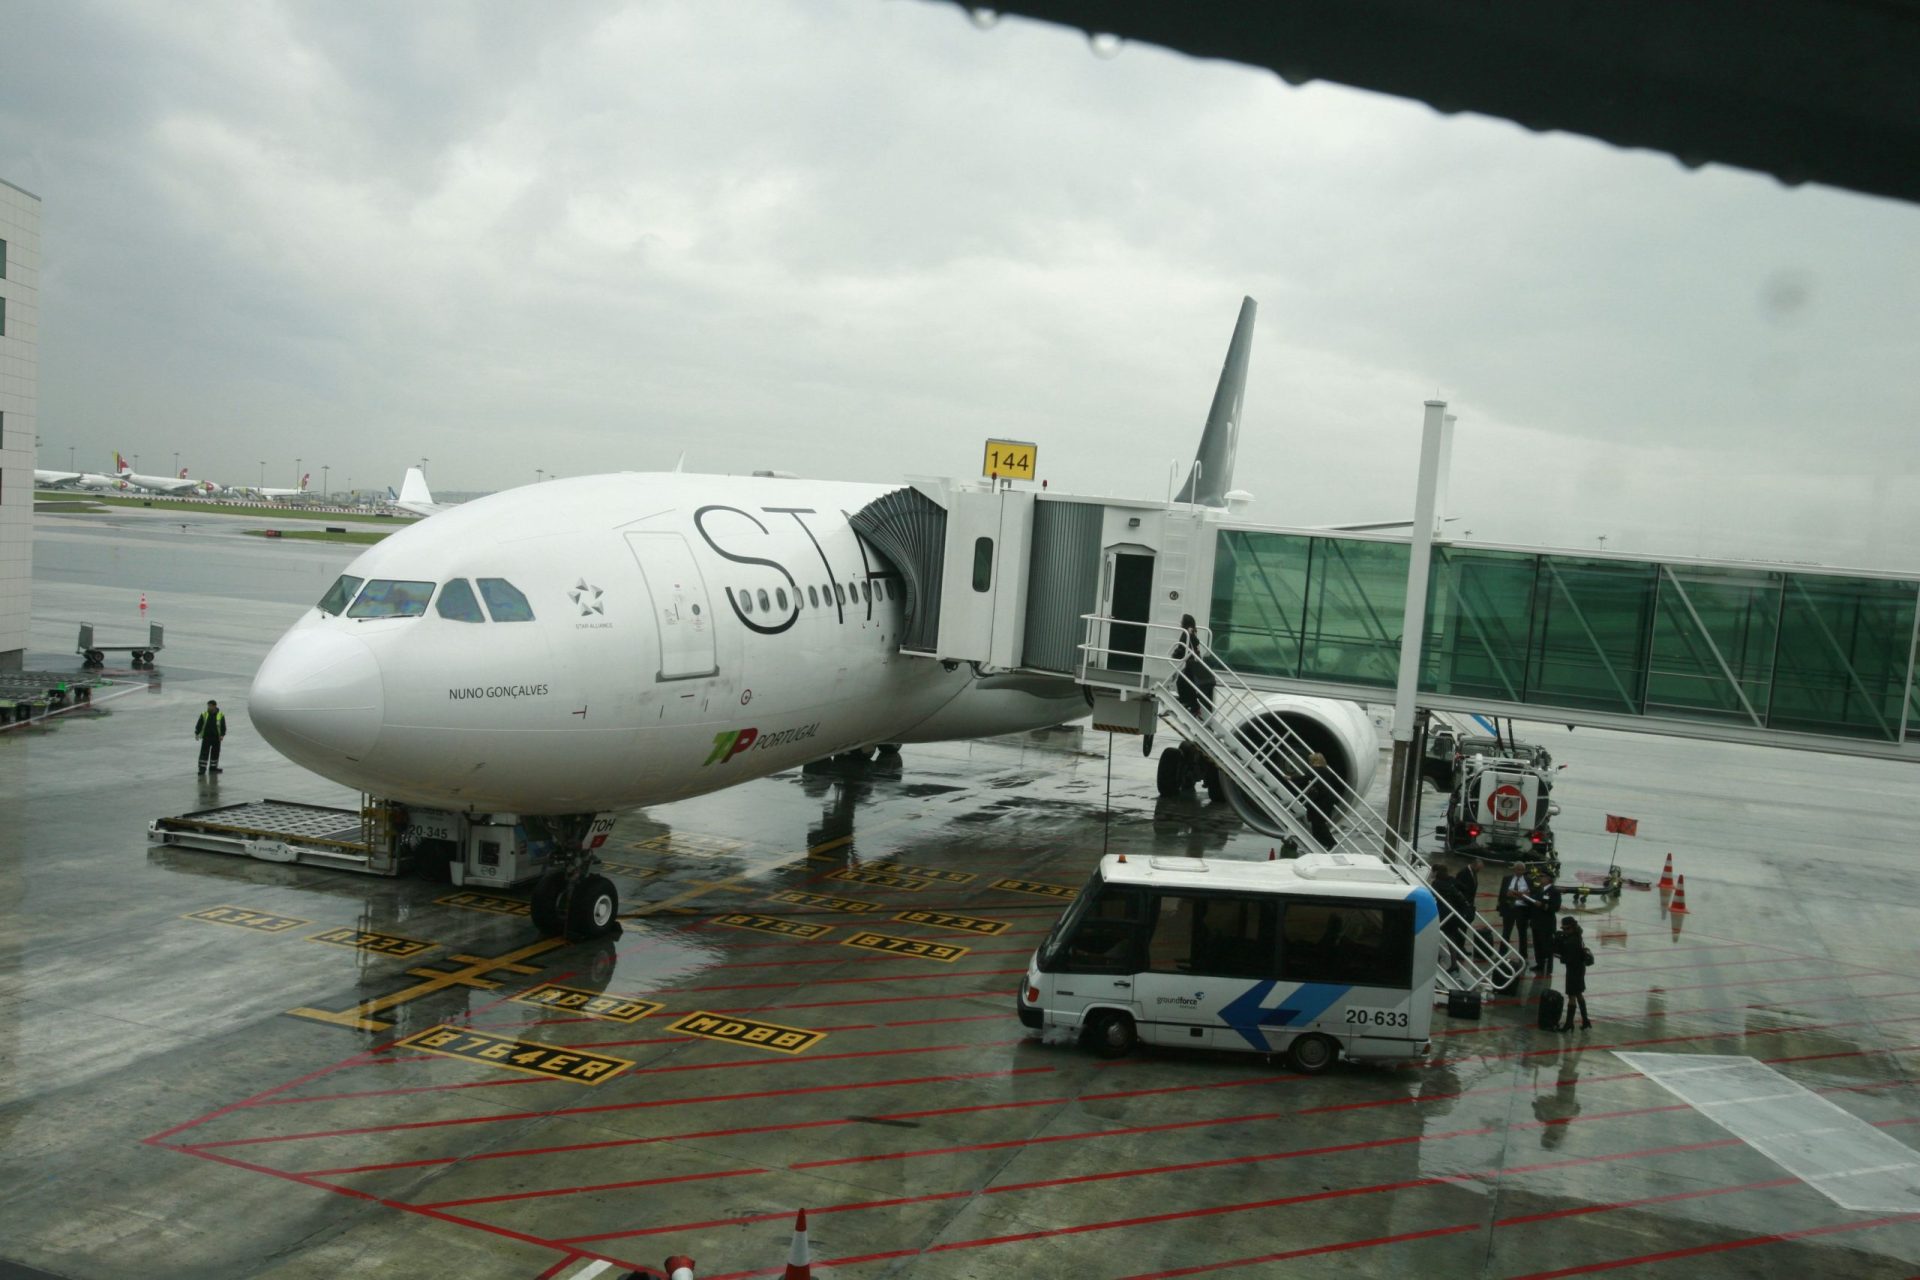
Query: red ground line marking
1553, 1215
1414, 1139
619, 1106
1003, 994
824, 982
1800, 955
1312, 1250
1720, 1246
922, 1113
250, 1100
1701, 1035
1696, 986
1710, 964
854, 957
603, 1186
400, 1205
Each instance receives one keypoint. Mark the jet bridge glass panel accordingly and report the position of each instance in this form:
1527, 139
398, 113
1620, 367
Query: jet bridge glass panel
1756, 648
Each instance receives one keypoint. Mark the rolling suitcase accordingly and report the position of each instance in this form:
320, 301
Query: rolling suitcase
1553, 1008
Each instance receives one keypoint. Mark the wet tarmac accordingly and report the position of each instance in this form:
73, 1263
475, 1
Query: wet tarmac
174, 1101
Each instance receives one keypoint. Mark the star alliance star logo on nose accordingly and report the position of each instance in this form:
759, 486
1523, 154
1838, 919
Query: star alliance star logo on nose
587, 597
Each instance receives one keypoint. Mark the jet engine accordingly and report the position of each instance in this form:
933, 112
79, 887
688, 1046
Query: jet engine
1340, 731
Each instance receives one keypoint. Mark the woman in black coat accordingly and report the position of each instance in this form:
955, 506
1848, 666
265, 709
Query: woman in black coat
1572, 946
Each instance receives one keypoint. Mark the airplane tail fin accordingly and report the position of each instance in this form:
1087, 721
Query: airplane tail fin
120, 466
414, 487
303, 481
391, 495
1212, 473
183, 473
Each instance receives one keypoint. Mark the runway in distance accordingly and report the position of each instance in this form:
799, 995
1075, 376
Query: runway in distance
581, 646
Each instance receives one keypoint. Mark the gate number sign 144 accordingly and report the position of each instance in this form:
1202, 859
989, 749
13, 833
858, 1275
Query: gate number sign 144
1009, 460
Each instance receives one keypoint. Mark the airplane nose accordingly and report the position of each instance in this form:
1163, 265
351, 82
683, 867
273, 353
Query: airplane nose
321, 689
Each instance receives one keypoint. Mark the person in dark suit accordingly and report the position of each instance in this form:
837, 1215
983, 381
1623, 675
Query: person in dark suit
1546, 905
1516, 907
1196, 680
1320, 800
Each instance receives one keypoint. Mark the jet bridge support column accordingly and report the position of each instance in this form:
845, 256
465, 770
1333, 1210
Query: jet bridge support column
1433, 444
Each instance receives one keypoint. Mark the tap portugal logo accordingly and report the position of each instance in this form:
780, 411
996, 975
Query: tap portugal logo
735, 742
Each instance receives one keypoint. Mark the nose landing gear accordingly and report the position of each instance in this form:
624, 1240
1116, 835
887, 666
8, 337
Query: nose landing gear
571, 898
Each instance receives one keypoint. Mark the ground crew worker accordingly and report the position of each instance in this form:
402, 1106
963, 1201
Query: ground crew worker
1196, 678
1319, 800
210, 728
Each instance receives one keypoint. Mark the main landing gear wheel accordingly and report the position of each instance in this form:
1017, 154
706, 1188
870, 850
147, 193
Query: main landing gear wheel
1173, 777
546, 902
1110, 1034
95, 658
593, 909
1312, 1054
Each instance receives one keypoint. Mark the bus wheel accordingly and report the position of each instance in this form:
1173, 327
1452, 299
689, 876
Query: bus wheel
1110, 1034
1312, 1054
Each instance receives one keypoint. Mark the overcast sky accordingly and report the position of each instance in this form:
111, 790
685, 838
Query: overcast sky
853, 238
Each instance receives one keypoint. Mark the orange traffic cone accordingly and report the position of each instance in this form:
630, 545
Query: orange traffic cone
679, 1267
1666, 876
1272, 854
1679, 896
799, 1261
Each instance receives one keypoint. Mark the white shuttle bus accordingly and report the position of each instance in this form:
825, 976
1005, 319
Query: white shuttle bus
1314, 957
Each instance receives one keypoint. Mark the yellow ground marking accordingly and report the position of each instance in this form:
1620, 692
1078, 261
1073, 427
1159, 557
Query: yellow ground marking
472, 974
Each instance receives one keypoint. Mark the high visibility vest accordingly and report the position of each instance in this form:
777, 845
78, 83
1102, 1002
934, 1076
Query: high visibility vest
215, 724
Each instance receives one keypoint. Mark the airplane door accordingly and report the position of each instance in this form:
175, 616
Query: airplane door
1129, 581
680, 608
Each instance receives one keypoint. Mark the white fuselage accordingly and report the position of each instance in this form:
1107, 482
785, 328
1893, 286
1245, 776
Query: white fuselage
160, 484
687, 633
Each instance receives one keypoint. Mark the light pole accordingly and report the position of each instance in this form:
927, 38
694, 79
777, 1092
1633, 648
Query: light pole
136, 462
69, 457
1603, 542
297, 473
539, 474
176, 462
263, 473
326, 489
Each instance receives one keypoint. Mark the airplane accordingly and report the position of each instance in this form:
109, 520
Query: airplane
54, 479
278, 494
567, 650
414, 495
153, 484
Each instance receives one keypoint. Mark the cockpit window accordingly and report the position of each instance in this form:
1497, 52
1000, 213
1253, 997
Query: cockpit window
458, 603
392, 598
339, 594
504, 600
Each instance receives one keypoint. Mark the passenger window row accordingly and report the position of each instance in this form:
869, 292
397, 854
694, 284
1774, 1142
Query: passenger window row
818, 597
403, 598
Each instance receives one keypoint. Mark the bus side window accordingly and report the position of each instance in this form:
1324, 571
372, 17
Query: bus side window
1170, 949
1368, 945
1106, 937
1235, 937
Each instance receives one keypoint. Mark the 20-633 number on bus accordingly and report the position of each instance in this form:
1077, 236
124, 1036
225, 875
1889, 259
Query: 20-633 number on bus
1377, 1017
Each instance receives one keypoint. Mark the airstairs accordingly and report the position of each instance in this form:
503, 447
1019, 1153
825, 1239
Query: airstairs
1268, 763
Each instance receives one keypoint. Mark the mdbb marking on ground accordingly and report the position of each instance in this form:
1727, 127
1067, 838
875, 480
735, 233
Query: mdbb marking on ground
588, 1004
948, 920
1036, 887
944, 952
771, 924
761, 1035
886, 880
486, 902
516, 1055
823, 902
386, 944
473, 974
926, 873
241, 918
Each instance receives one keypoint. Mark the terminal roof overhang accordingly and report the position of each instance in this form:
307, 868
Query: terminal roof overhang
1806, 90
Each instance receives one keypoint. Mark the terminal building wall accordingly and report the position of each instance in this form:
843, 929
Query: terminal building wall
19, 412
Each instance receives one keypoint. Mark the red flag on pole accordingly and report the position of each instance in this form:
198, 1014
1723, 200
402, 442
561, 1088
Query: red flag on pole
1623, 826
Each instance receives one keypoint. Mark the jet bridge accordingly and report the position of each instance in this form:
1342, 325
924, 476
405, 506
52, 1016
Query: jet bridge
1780, 654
